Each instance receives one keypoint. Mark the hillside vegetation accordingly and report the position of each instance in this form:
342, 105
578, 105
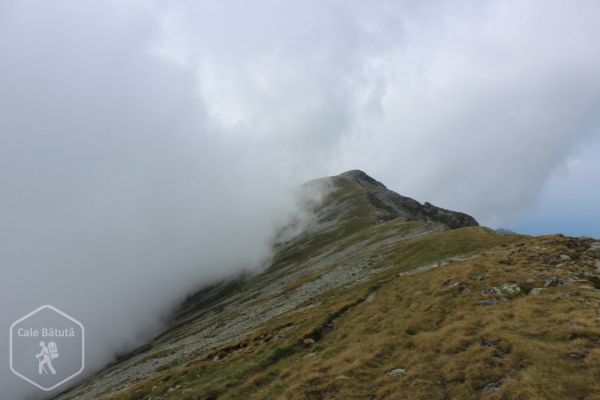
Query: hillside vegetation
380, 299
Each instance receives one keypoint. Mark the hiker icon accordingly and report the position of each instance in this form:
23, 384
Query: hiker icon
45, 358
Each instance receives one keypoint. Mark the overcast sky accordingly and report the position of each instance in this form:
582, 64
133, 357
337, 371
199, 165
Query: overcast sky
147, 148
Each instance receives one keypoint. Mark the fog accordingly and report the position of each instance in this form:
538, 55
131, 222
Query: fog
147, 149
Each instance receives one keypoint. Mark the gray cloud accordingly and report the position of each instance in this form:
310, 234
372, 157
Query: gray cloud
119, 195
149, 148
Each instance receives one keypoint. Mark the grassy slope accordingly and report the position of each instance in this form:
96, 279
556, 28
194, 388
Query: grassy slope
429, 322
530, 347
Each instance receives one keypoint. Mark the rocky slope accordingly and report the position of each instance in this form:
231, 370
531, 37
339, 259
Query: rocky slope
382, 297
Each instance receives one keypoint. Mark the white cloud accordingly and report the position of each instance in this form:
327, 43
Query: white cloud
148, 147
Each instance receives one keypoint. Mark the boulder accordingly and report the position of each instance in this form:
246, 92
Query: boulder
552, 281
594, 250
492, 386
510, 289
396, 371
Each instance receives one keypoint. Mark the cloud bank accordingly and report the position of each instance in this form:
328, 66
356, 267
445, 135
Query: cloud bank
147, 148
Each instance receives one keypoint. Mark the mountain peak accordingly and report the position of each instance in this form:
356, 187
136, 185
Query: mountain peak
385, 204
360, 177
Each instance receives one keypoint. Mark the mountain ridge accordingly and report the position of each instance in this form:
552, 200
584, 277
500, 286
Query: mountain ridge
399, 206
380, 297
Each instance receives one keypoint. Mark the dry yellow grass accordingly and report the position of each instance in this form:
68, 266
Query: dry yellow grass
430, 326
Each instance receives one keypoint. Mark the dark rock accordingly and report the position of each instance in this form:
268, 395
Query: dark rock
552, 281
396, 206
490, 291
576, 356
492, 386
452, 219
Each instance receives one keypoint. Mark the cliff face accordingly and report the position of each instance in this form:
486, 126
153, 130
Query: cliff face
382, 297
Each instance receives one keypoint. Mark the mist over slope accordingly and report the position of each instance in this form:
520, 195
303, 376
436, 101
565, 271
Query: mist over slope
147, 148
234, 307
382, 297
118, 196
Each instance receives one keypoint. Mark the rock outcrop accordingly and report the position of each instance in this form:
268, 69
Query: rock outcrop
392, 205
